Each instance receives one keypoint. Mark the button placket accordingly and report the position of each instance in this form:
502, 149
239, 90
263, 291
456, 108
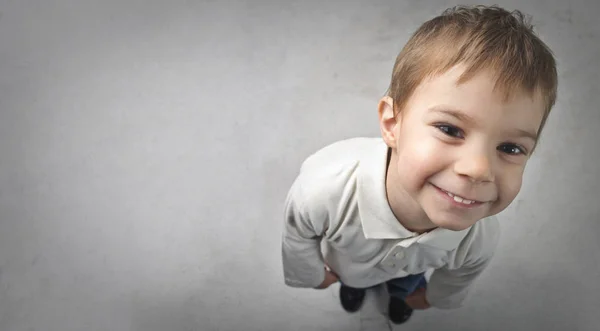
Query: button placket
394, 258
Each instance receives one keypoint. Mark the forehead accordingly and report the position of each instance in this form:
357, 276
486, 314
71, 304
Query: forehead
481, 98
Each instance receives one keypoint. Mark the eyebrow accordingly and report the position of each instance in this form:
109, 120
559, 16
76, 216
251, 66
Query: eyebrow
461, 116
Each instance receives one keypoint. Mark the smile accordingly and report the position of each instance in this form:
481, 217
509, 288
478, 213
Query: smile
457, 199
461, 199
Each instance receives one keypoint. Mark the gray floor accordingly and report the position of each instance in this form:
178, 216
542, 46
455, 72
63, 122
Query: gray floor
146, 148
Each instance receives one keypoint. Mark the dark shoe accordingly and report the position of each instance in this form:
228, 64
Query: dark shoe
351, 298
399, 312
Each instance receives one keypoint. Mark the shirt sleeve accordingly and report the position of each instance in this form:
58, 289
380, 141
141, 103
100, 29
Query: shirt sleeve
449, 286
448, 289
303, 264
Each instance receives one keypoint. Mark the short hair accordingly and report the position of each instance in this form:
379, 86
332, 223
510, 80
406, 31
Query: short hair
480, 37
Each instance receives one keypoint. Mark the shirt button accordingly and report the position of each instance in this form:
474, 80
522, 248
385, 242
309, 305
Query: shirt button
399, 255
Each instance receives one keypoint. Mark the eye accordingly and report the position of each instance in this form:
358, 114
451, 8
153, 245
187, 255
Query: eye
450, 130
512, 149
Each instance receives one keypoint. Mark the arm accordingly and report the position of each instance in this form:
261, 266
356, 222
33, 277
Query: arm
303, 264
449, 286
448, 289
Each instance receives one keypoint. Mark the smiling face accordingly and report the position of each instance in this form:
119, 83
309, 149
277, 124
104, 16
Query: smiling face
458, 151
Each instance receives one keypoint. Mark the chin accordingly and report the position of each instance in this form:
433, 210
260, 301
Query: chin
453, 225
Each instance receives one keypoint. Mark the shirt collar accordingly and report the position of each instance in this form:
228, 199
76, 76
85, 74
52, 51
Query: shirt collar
378, 220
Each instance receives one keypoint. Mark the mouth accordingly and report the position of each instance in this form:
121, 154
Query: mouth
459, 200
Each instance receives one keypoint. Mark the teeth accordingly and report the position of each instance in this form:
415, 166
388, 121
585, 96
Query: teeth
459, 199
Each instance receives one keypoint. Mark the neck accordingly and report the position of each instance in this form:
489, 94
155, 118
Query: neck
408, 212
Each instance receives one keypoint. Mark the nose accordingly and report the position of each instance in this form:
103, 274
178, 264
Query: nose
476, 167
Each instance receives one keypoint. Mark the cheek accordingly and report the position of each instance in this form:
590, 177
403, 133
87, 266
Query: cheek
510, 187
419, 159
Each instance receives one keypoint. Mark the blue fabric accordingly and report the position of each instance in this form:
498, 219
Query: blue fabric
401, 287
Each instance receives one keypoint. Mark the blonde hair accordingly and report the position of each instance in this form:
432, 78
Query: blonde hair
480, 37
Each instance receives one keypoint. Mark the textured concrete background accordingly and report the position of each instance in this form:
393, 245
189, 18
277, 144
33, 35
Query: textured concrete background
146, 148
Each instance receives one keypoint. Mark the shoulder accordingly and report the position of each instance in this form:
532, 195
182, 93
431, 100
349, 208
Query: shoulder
328, 174
338, 154
333, 164
481, 241
486, 232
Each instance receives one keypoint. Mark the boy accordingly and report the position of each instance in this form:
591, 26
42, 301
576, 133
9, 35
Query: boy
469, 96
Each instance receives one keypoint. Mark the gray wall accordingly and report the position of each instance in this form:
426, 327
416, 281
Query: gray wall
146, 148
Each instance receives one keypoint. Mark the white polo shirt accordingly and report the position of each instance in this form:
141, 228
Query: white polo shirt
337, 213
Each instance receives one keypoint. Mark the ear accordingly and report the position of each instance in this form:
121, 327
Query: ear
387, 121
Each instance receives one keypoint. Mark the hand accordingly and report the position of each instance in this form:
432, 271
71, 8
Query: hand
330, 278
417, 300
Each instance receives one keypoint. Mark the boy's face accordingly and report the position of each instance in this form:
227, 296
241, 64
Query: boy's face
460, 150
